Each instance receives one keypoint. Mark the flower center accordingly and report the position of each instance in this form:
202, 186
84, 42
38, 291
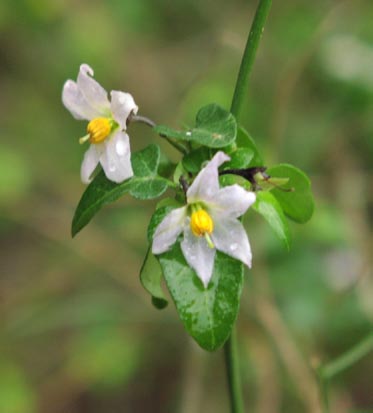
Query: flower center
98, 130
201, 223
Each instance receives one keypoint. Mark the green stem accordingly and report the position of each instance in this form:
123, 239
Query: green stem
331, 369
257, 27
232, 365
323, 386
181, 148
351, 356
248, 58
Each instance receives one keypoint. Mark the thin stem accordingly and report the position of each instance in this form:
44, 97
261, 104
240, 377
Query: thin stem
176, 145
233, 376
350, 357
152, 124
248, 58
331, 369
142, 119
324, 398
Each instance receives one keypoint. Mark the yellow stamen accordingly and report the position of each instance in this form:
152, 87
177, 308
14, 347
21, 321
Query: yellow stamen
98, 130
201, 224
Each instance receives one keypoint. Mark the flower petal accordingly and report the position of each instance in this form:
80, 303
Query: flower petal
76, 103
233, 201
116, 158
198, 255
93, 92
168, 230
206, 184
90, 161
122, 104
229, 236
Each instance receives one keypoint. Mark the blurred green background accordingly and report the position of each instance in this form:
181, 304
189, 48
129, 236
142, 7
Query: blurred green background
78, 333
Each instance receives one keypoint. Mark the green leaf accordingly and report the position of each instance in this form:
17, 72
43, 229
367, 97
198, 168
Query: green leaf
244, 140
145, 184
165, 167
268, 206
240, 158
215, 128
207, 314
298, 204
193, 161
151, 279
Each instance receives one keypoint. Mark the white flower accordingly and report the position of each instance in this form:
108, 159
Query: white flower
209, 222
86, 99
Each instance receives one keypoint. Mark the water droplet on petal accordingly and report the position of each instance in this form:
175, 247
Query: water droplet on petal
233, 247
120, 148
112, 167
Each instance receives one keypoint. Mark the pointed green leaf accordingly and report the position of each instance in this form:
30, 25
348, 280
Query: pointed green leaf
215, 128
151, 279
298, 204
207, 314
267, 206
145, 184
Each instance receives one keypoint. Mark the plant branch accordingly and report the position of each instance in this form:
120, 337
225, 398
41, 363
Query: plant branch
257, 27
152, 124
350, 357
333, 368
248, 58
233, 376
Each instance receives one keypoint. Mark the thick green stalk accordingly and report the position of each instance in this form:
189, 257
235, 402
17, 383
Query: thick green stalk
233, 376
257, 27
248, 58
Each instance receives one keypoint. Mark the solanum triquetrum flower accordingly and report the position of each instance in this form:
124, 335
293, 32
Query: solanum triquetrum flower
208, 222
87, 99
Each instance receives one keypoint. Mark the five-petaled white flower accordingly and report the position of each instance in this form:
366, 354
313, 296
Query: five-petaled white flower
209, 222
87, 99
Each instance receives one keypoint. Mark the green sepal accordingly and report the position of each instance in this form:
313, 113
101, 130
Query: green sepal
151, 279
145, 184
270, 209
179, 172
298, 202
215, 128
